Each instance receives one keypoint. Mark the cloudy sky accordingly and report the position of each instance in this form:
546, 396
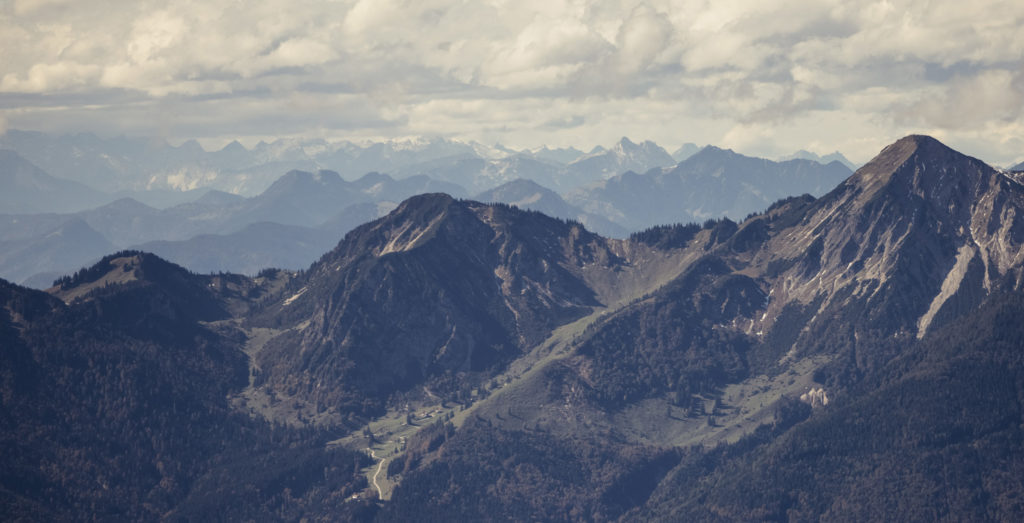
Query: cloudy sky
763, 77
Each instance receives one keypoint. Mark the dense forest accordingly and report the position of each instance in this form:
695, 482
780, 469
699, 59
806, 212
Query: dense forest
103, 422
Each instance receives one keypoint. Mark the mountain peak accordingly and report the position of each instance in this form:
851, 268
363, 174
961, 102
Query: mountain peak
128, 205
901, 150
919, 140
918, 164
118, 268
711, 151
835, 156
920, 218
295, 176
234, 147
425, 203
191, 146
411, 224
373, 177
518, 183
626, 143
528, 194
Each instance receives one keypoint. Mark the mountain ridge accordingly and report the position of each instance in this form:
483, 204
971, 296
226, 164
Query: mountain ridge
529, 194
24, 187
744, 185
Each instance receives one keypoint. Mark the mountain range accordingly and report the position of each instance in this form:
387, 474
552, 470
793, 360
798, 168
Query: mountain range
855, 355
479, 173
527, 194
826, 159
28, 189
163, 175
740, 184
289, 225
303, 213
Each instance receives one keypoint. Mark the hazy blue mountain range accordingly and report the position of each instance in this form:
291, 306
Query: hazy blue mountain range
58, 248
318, 207
710, 184
556, 155
37, 250
527, 194
479, 174
162, 175
826, 159
25, 188
153, 169
624, 156
261, 245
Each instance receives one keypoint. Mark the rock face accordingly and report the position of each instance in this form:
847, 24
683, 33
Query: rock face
919, 232
915, 238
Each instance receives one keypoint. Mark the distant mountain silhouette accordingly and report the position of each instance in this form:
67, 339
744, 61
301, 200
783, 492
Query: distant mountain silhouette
826, 159
710, 184
527, 194
624, 156
25, 188
312, 211
685, 151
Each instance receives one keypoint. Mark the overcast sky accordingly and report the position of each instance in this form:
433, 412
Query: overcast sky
762, 77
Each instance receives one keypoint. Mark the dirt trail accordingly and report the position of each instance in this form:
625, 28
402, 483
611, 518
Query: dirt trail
380, 466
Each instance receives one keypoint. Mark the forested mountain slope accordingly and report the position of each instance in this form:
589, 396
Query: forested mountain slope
114, 406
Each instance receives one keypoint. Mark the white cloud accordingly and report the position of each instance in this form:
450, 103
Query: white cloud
22, 7
971, 102
641, 39
545, 53
299, 52
50, 77
726, 71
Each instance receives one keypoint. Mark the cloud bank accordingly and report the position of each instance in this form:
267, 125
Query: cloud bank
764, 77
